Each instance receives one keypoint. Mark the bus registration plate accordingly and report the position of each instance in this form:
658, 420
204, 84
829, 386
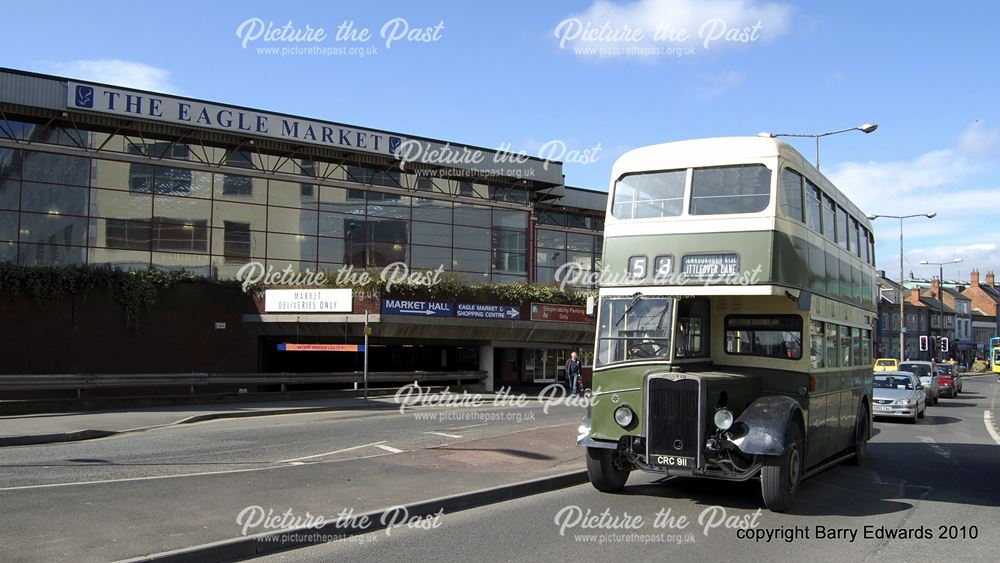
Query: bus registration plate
673, 461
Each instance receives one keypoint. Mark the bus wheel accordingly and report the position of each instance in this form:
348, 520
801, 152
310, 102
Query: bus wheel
861, 437
604, 471
781, 475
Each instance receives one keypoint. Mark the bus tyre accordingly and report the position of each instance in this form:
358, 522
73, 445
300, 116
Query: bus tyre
781, 475
861, 432
602, 470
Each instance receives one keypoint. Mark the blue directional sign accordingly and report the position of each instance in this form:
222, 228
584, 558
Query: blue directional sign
416, 308
496, 312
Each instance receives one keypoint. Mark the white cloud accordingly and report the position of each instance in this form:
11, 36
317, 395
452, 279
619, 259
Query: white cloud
978, 140
693, 26
116, 72
958, 183
984, 256
714, 84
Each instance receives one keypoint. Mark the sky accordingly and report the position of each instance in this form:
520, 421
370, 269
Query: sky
585, 81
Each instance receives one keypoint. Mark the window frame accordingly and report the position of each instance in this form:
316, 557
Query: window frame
725, 331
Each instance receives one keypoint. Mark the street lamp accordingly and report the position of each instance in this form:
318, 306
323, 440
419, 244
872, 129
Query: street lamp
864, 128
902, 314
940, 266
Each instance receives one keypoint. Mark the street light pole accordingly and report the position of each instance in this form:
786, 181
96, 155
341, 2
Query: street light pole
865, 128
940, 299
902, 309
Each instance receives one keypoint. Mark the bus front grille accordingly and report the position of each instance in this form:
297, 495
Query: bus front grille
672, 417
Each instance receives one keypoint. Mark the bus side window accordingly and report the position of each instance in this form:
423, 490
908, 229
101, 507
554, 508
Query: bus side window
692, 321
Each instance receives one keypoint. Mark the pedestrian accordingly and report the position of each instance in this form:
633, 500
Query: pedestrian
573, 373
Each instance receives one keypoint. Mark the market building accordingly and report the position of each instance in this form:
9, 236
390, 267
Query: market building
103, 176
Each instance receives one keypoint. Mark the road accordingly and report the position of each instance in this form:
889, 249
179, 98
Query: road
174, 487
941, 471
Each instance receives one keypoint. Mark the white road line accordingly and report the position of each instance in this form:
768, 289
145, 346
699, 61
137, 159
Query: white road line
443, 434
939, 450
314, 456
988, 420
177, 476
389, 448
469, 426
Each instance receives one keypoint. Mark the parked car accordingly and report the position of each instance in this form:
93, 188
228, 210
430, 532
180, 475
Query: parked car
928, 378
951, 379
898, 394
886, 364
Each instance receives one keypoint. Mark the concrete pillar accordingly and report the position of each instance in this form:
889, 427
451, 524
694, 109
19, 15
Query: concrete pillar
486, 364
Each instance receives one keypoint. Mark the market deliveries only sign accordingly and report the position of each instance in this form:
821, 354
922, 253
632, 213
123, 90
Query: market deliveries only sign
308, 300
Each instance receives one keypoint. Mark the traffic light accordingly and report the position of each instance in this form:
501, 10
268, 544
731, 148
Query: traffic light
924, 345
944, 344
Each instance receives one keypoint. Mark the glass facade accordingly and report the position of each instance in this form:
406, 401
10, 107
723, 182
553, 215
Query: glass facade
563, 237
210, 210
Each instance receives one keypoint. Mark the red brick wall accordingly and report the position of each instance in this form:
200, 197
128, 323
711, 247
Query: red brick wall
88, 334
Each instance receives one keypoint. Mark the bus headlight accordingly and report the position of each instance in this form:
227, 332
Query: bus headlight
624, 416
723, 419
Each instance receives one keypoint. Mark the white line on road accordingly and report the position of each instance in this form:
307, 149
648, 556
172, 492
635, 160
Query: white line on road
177, 476
443, 434
988, 419
389, 448
330, 453
468, 426
939, 450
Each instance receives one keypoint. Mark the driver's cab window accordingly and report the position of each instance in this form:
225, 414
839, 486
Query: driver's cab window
692, 329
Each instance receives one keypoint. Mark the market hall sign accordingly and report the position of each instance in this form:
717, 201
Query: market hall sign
187, 113
308, 300
559, 313
416, 308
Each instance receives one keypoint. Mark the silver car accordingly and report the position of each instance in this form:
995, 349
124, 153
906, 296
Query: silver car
928, 375
898, 394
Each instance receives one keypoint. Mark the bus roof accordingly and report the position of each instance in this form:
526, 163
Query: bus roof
722, 151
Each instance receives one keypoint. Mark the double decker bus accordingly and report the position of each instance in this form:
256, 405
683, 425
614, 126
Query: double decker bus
737, 344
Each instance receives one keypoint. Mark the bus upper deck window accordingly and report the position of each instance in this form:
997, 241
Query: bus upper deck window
730, 189
649, 195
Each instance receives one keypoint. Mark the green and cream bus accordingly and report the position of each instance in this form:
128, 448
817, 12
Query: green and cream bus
736, 343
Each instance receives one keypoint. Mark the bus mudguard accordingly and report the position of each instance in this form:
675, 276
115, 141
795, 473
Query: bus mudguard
765, 422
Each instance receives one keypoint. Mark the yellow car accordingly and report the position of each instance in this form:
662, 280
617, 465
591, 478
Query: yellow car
886, 364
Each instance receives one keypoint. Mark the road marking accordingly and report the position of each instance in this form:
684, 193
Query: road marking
179, 475
469, 426
389, 448
939, 450
988, 420
443, 434
314, 456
